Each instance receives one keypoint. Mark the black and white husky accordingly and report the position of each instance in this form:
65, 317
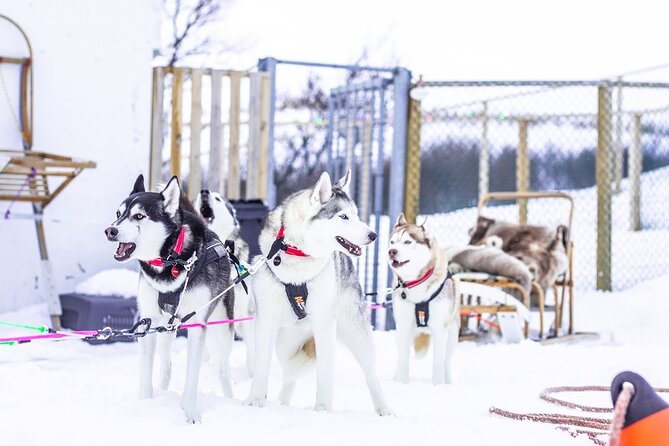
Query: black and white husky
221, 217
425, 300
309, 294
171, 243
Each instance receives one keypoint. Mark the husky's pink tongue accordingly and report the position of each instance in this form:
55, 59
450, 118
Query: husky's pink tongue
123, 248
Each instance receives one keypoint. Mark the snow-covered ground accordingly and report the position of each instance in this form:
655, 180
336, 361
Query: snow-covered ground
70, 392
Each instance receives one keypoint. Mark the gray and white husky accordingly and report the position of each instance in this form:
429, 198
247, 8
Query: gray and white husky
309, 295
426, 300
221, 217
157, 228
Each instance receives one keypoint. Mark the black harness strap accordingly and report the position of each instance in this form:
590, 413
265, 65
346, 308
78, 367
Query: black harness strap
422, 309
212, 252
297, 297
230, 247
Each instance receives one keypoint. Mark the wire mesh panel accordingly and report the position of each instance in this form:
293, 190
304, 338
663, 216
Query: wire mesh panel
605, 143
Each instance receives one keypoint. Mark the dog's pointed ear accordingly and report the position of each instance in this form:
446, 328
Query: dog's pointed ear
344, 183
139, 185
323, 190
401, 220
171, 194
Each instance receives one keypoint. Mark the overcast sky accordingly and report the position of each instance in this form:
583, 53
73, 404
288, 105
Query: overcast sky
469, 39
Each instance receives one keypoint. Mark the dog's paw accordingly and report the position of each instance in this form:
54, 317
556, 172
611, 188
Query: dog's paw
192, 413
319, 407
385, 412
255, 402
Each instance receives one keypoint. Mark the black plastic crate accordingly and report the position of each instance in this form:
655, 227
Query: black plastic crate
93, 312
251, 215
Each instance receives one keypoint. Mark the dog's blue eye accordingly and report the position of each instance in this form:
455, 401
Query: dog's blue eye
138, 216
407, 242
343, 217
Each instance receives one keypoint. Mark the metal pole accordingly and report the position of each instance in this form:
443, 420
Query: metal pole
522, 169
635, 164
401, 86
268, 65
484, 155
378, 204
603, 170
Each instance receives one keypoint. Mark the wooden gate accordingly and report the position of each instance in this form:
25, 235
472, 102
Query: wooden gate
210, 128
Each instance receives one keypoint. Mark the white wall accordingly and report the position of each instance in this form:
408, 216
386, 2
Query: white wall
92, 68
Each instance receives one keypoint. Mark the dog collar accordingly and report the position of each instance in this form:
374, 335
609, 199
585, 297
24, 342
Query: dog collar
176, 252
289, 249
415, 283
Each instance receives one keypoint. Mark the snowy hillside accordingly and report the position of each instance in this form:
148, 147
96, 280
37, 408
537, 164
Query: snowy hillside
72, 390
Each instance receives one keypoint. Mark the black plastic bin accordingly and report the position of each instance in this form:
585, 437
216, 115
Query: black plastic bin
251, 215
94, 312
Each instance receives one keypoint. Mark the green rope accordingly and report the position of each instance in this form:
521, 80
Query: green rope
40, 328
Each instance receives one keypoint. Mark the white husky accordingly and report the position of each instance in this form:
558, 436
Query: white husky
425, 300
310, 294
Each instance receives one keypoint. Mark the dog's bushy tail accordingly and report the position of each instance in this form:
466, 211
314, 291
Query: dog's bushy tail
421, 344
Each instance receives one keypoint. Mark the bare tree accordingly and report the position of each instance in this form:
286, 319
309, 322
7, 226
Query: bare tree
191, 32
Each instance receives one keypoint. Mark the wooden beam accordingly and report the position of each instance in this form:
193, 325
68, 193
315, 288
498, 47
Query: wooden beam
522, 170
252, 164
635, 167
263, 158
215, 169
195, 169
234, 174
177, 120
156, 151
603, 170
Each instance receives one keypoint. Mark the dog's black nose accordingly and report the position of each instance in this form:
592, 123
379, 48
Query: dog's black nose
111, 233
204, 192
372, 236
392, 253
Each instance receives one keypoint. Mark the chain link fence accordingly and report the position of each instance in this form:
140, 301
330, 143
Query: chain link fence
604, 143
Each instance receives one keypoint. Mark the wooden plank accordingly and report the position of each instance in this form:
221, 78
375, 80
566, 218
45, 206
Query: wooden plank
234, 175
412, 162
177, 121
522, 170
252, 166
156, 156
215, 168
604, 174
635, 167
263, 157
195, 169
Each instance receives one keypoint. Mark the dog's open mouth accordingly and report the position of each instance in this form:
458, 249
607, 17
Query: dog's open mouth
350, 247
207, 212
124, 251
397, 263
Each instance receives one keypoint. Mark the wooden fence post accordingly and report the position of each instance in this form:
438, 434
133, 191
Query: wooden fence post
522, 169
215, 172
484, 155
604, 168
635, 164
195, 169
156, 157
234, 175
177, 99
412, 167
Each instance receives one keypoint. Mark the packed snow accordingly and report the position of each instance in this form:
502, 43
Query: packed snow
112, 282
68, 392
